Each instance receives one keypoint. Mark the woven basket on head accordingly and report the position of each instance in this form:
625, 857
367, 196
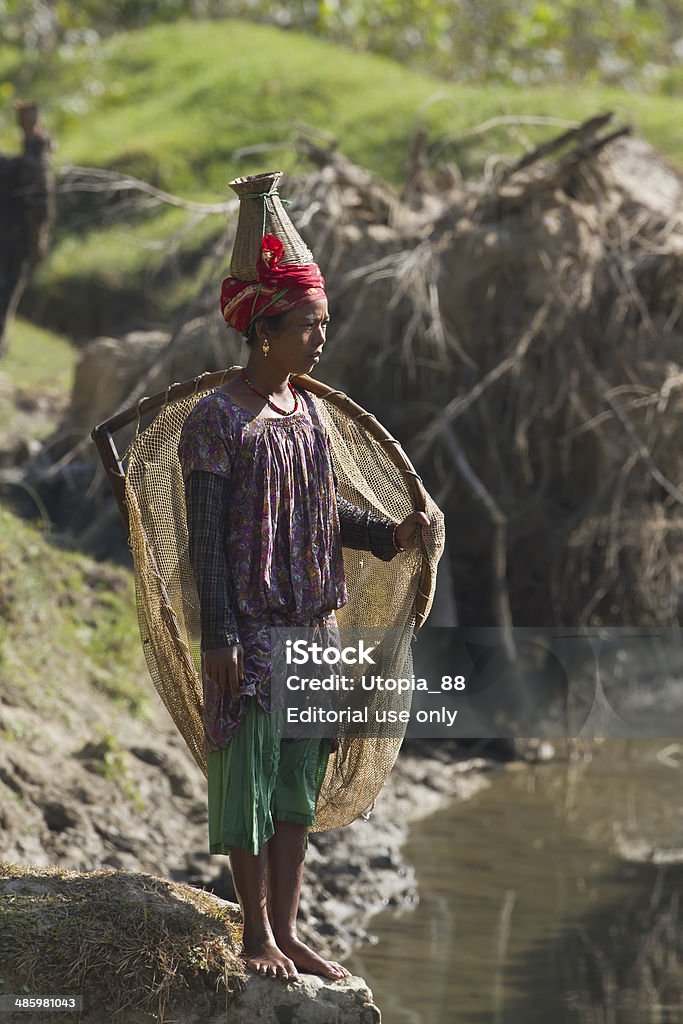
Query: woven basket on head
261, 212
394, 597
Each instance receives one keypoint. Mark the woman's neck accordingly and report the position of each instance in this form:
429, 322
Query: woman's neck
270, 379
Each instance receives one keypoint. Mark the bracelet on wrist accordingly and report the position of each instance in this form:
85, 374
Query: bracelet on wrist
393, 537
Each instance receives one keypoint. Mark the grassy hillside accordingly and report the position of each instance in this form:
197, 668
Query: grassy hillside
35, 383
175, 104
67, 626
37, 360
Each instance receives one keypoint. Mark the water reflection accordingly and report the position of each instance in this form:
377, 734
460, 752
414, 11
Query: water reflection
528, 915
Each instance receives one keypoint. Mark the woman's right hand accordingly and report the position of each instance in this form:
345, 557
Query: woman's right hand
225, 667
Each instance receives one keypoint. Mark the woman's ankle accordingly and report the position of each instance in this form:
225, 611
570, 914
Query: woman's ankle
258, 935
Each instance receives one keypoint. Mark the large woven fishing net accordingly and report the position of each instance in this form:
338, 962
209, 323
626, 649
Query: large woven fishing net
394, 596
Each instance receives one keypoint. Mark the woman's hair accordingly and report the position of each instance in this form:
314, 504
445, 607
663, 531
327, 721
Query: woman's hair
273, 321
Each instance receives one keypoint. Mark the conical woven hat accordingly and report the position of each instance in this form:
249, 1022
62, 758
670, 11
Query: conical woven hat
261, 213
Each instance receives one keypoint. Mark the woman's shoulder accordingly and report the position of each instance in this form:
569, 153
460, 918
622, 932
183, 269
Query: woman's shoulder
313, 405
214, 410
208, 434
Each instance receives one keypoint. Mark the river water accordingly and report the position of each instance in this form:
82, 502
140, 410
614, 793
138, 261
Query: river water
528, 913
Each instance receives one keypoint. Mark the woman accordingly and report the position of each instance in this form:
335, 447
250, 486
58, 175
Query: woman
266, 530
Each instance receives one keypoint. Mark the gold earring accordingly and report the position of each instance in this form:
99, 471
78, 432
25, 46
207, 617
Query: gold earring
265, 347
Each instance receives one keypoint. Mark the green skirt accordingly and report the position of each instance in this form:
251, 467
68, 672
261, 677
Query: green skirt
258, 779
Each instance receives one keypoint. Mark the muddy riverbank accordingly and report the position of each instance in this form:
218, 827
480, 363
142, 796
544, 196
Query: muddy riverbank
93, 787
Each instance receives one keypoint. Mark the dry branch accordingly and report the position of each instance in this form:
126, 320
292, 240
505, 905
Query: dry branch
577, 135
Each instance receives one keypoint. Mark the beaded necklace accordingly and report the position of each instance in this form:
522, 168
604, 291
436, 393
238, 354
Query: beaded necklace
276, 408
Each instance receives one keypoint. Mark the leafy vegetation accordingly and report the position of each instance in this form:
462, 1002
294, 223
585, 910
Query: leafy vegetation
184, 105
624, 42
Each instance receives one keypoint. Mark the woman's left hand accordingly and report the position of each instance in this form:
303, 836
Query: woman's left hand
406, 532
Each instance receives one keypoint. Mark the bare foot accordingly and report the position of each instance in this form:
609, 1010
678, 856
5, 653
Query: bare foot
267, 960
307, 960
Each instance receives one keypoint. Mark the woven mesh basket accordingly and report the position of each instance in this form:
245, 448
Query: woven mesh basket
395, 597
262, 212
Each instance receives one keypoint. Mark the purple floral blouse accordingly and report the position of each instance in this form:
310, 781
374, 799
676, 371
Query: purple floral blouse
278, 559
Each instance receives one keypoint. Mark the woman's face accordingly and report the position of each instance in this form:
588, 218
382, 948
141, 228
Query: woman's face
297, 344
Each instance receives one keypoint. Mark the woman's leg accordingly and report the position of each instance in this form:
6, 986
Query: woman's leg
260, 950
286, 854
241, 779
299, 779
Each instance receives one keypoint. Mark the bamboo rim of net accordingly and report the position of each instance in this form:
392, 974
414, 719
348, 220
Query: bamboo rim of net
102, 435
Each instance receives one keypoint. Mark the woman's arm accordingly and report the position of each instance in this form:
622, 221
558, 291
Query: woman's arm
205, 452
206, 499
365, 530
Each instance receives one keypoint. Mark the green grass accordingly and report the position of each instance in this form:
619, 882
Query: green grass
67, 625
175, 103
126, 258
37, 359
36, 374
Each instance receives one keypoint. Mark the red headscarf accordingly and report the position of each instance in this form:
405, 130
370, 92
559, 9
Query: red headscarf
276, 290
